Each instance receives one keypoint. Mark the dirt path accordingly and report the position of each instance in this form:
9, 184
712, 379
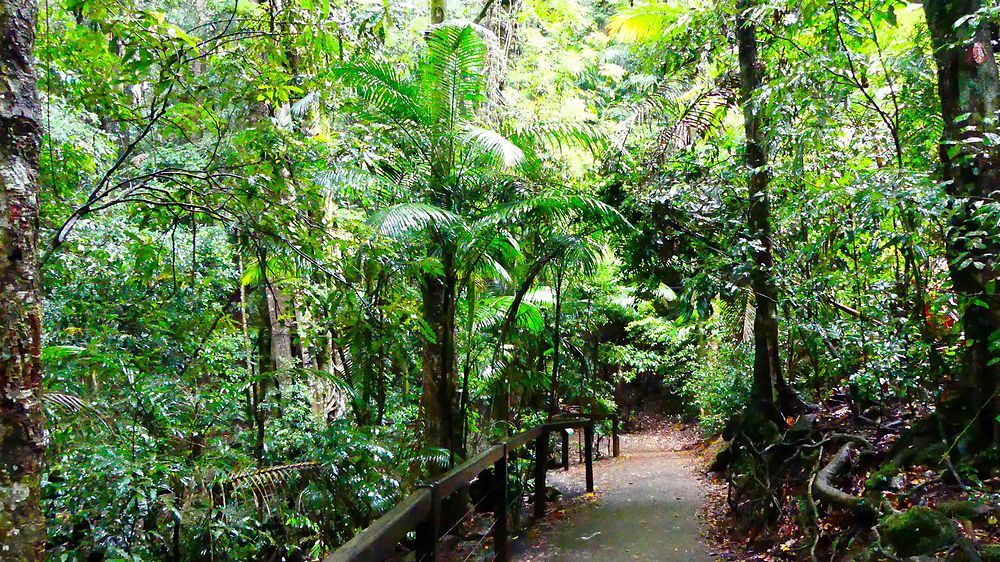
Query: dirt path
645, 507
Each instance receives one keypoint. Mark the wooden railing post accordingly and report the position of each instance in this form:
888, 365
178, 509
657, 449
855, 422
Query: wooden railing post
500, 509
565, 449
541, 457
615, 446
588, 455
428, 531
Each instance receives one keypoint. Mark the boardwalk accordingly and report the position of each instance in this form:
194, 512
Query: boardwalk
646, 508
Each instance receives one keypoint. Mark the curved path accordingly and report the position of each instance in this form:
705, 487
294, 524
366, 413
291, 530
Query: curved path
646, 507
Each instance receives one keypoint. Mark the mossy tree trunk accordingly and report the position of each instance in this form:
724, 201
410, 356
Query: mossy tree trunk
22, 440
969, 90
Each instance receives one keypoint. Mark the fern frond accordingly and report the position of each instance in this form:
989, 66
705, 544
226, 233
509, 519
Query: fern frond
429, 456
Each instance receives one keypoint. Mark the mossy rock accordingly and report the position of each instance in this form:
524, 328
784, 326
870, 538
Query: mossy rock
881, 479
921, 530
965, 509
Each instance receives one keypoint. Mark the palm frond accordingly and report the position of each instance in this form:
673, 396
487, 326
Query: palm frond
738, 317
557, 136
490, 313
489, 268
452, 73
262, 483
552, 207
66, 402
72, 405
274, 269
649, 21
349, 184
336, 381
381, 85
406, 218
581, 254
685, 113
495, 144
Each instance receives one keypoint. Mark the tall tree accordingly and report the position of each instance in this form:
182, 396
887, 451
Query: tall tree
771, 394
22, 528
969, 90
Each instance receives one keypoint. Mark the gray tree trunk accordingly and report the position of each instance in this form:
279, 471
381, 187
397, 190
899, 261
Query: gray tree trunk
772, 397
22, 440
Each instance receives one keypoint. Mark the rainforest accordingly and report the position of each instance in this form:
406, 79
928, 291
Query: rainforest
366, 280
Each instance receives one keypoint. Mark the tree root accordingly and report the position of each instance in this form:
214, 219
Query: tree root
824, 489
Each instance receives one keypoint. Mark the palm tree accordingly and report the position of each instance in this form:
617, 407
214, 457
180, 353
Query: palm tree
459, 182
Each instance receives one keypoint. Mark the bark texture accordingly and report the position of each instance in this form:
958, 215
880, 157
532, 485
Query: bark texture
969, 89
439, 397
772, 396
22, 438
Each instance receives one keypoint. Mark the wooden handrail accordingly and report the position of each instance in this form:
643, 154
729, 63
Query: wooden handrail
420, 510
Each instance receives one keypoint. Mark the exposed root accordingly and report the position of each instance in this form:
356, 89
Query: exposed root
823, 487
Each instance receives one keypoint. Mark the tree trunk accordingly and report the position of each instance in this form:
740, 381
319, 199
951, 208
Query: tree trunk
969, 88
772, 397
553, 396
278, 325
22, 440
438, 10
439, 378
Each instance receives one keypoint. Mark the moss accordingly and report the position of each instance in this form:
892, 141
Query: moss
881, 478
990, 553
920, 530
964, 509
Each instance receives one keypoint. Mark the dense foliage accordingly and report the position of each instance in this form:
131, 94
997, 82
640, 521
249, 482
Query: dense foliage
283, 241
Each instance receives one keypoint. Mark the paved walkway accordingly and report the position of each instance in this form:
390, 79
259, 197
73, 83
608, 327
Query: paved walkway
645, 508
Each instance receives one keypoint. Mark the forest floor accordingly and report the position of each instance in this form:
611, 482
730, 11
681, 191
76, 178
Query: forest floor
646, 506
